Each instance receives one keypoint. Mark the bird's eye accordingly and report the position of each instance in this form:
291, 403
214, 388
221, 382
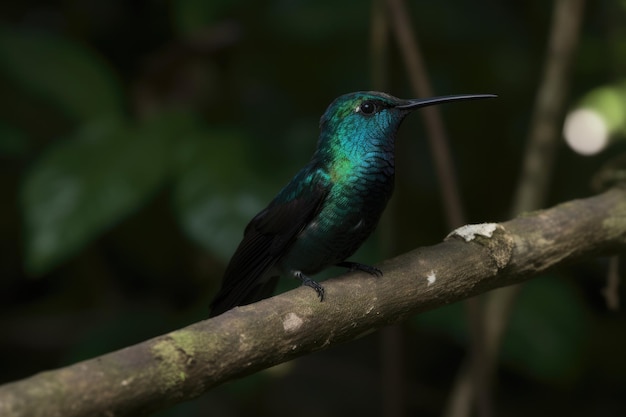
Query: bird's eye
368, 108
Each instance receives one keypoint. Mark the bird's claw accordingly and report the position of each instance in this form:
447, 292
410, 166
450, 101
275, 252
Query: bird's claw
313, 284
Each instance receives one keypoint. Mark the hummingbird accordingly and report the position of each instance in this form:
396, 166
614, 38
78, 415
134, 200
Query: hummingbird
331, 206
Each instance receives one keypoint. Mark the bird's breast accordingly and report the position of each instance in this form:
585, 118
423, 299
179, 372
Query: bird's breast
350, 212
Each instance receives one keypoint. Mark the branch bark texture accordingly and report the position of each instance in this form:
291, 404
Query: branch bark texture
185, 363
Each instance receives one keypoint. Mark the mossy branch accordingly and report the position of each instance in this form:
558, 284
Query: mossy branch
181, 365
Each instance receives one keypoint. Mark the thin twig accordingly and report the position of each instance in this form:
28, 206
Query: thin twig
418, 77
452, 203
611, 291
537, 168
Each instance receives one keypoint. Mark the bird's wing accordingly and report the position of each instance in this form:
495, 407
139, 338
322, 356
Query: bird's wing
266, 238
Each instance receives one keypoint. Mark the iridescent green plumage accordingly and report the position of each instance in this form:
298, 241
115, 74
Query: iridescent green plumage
324, 214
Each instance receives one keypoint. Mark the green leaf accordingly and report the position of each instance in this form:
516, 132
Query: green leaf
545, 338
193, 15
88, 183
63, 72
547, 333
448, 319
216, 194
300, 21
115, 331
13, 142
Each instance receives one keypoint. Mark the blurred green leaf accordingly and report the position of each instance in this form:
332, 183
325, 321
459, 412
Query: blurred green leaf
449, 319
193, 15
62, 71
13, 142
547, 333
300, 20
116, 331
217, 194
545, 337
91, 181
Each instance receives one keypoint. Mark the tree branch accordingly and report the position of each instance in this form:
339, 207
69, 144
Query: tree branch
184, 364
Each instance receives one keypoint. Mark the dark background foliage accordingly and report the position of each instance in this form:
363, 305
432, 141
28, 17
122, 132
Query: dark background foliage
138, 138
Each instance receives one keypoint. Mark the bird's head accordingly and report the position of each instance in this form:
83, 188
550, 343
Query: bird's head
372, 117
359, 129
362, 116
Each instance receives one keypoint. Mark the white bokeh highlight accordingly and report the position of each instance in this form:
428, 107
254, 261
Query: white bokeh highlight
586, 132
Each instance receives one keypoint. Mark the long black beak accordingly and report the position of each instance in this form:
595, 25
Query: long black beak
424, 102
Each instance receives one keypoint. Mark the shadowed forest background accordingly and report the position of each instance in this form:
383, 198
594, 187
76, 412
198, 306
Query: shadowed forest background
137, 139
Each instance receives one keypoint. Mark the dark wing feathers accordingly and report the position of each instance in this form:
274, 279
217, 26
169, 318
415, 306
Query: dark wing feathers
266, 238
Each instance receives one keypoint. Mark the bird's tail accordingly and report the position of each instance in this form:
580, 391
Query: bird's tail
227, 299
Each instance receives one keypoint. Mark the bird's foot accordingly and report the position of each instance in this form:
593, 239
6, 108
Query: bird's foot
310, 283
355, 266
